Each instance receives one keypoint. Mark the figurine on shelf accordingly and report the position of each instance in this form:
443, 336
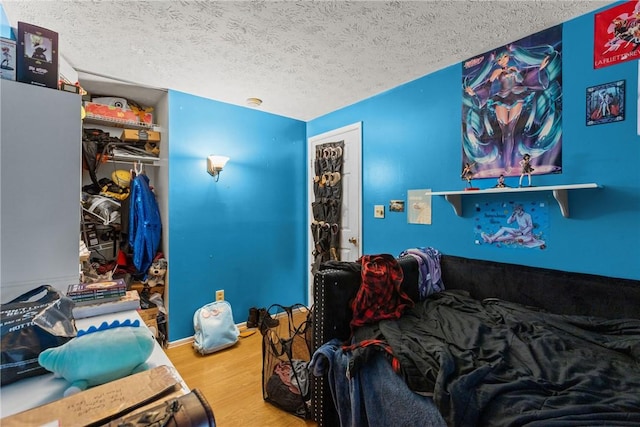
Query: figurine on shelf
467, 173
501, 183
525, 164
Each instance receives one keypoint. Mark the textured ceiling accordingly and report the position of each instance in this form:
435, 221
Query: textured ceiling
303, 58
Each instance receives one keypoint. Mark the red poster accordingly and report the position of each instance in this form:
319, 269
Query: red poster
617, 35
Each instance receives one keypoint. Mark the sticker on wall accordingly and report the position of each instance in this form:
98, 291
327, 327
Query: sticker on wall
512, 106
616, 36
419, 207
396, 206
605, 103
519, 225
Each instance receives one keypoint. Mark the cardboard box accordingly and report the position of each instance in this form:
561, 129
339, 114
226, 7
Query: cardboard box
150, 318
7, 59
115, 115
103, 403
137, 286
148, 313
134, 135
66, 72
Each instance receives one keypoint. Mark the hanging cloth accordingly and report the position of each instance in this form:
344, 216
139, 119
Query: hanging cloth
380, 295
145, 226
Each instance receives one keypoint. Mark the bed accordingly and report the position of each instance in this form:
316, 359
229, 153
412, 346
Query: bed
502, 344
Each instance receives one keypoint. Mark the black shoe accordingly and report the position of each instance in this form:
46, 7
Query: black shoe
266, 321
252, 321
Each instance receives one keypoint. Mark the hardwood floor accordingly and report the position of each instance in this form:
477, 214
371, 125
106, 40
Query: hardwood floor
231, 381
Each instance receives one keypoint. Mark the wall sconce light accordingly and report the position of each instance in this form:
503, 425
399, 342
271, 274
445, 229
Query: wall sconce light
215, 164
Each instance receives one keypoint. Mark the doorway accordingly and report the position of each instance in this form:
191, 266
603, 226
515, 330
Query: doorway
350, 247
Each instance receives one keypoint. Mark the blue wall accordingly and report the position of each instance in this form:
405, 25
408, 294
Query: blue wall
246, 233
411, 140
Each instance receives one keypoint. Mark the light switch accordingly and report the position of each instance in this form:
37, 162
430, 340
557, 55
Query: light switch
378, 211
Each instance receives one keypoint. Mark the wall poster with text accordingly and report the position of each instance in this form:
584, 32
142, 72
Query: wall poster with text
512, 106
519, 225
616, 35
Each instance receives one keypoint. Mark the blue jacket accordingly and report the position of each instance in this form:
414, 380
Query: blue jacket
145, 225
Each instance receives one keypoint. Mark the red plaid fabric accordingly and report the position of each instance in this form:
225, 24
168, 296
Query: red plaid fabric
379, 296
373, 344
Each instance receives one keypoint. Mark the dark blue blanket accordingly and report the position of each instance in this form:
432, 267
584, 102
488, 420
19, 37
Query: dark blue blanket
499, 363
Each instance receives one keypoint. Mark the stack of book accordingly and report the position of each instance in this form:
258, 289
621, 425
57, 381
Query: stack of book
92, 293
94, 299
129, 301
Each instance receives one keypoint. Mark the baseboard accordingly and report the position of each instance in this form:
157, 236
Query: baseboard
177, 343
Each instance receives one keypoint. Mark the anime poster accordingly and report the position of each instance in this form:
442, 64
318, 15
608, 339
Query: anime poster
605, 103
519, 225
37, 56
617, 35
512, 106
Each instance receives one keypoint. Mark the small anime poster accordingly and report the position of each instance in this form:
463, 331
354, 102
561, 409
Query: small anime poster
605, 103
512, 107
616, 35
514, 225
37, 56
419, 211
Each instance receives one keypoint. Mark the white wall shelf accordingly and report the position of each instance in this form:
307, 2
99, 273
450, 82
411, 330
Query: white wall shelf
560, 193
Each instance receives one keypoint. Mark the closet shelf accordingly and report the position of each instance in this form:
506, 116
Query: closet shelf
113, 122
151, 161
560, 193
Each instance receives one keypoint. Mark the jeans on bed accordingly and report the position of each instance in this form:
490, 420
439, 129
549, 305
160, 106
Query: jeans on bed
375, 396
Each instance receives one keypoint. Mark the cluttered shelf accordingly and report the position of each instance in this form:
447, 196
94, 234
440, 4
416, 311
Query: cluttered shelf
133, 145
117, 115
560, 193
132, 153
115, 122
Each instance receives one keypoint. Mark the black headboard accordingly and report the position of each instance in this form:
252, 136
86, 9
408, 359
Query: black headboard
556, 291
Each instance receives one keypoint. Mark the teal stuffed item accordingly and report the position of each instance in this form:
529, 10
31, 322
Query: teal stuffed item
100, 355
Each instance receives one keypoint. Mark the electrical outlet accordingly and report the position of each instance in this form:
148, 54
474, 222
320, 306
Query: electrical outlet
220, 295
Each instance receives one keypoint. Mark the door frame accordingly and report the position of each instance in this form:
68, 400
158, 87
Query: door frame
310, 194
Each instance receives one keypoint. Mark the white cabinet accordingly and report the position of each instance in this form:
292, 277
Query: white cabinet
40, 156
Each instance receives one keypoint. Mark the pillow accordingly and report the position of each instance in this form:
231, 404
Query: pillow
100, 355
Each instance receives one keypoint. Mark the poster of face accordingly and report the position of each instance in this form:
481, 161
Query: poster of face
617, 35
515, 225
511, 106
